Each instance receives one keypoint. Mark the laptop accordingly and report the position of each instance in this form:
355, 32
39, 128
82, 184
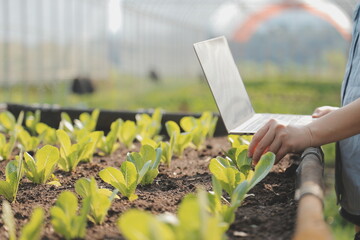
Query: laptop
229, 91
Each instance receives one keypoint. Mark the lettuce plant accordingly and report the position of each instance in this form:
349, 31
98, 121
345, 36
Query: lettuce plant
166, 149
6, 147
108, 144
198, 131
146, 162
8, 121
209, 121
220, 206
9, 125
239, 140
127, 133
193, 221
31, 120
230, 176
100, 199
148, 127
135, 223
239, 159
32, 230
64, 217
180, 140
82, 126
28, 142
72, 154
39, 169
125, 180
201, 127
9, 220
226, 174
13, 175
46, 133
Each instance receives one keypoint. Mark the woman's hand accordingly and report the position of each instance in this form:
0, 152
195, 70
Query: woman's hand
280, 139
321, 111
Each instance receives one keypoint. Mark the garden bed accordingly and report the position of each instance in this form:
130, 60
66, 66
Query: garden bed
268, 213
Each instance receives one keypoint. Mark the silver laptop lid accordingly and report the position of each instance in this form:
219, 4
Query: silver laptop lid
224, 80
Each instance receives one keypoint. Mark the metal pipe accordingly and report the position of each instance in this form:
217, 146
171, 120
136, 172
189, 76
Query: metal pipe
310, 222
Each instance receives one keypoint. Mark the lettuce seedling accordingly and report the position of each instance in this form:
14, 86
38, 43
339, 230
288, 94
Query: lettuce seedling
82, 126
72, 154
180, 140
31, 120
201, 127
239, 159
146, 162
9, 220
46, 133
108, 144
226, 174
13, 175
230, 176
7, 121
125, 179
100, 199
127, 133
239, 140
135, 223
28, 142
64, 217
39, 169
32, 230
87, 120
209, 121
166, 149
198, 131
148, 127
9, 125
262, 169
6, 147
226, 211
195, 220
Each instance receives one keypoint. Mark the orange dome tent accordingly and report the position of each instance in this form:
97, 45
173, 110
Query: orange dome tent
239, 21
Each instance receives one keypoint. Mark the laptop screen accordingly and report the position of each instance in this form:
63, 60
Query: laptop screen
225, 81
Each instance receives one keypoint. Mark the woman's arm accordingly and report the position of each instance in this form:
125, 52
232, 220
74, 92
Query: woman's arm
282, 139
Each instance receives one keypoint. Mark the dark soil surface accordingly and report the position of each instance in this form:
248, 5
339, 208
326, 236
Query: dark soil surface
269, 213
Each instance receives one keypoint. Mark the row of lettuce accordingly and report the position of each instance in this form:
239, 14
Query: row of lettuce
201, 215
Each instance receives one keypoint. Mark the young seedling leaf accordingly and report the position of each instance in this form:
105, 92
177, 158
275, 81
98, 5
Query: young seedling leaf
125, 179
136, 224
127, 133
40, 169
8, 219
100, 199
32, 230
65, 219
262, 168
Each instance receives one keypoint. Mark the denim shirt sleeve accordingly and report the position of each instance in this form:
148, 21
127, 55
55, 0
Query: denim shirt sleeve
348, 164
352, 73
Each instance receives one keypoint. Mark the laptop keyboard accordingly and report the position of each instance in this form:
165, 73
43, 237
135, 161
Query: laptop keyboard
260, 120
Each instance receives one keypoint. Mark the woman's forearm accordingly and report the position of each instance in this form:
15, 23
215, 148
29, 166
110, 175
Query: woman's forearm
337, 125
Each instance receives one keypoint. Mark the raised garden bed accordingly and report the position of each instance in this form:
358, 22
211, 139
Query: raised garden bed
268, 213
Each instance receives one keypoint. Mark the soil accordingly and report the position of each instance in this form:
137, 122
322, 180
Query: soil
268, 213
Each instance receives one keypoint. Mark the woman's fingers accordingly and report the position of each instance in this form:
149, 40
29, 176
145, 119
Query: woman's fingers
264, 144
257, 138
321, 111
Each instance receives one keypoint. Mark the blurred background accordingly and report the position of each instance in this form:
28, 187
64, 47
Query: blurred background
136, 54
